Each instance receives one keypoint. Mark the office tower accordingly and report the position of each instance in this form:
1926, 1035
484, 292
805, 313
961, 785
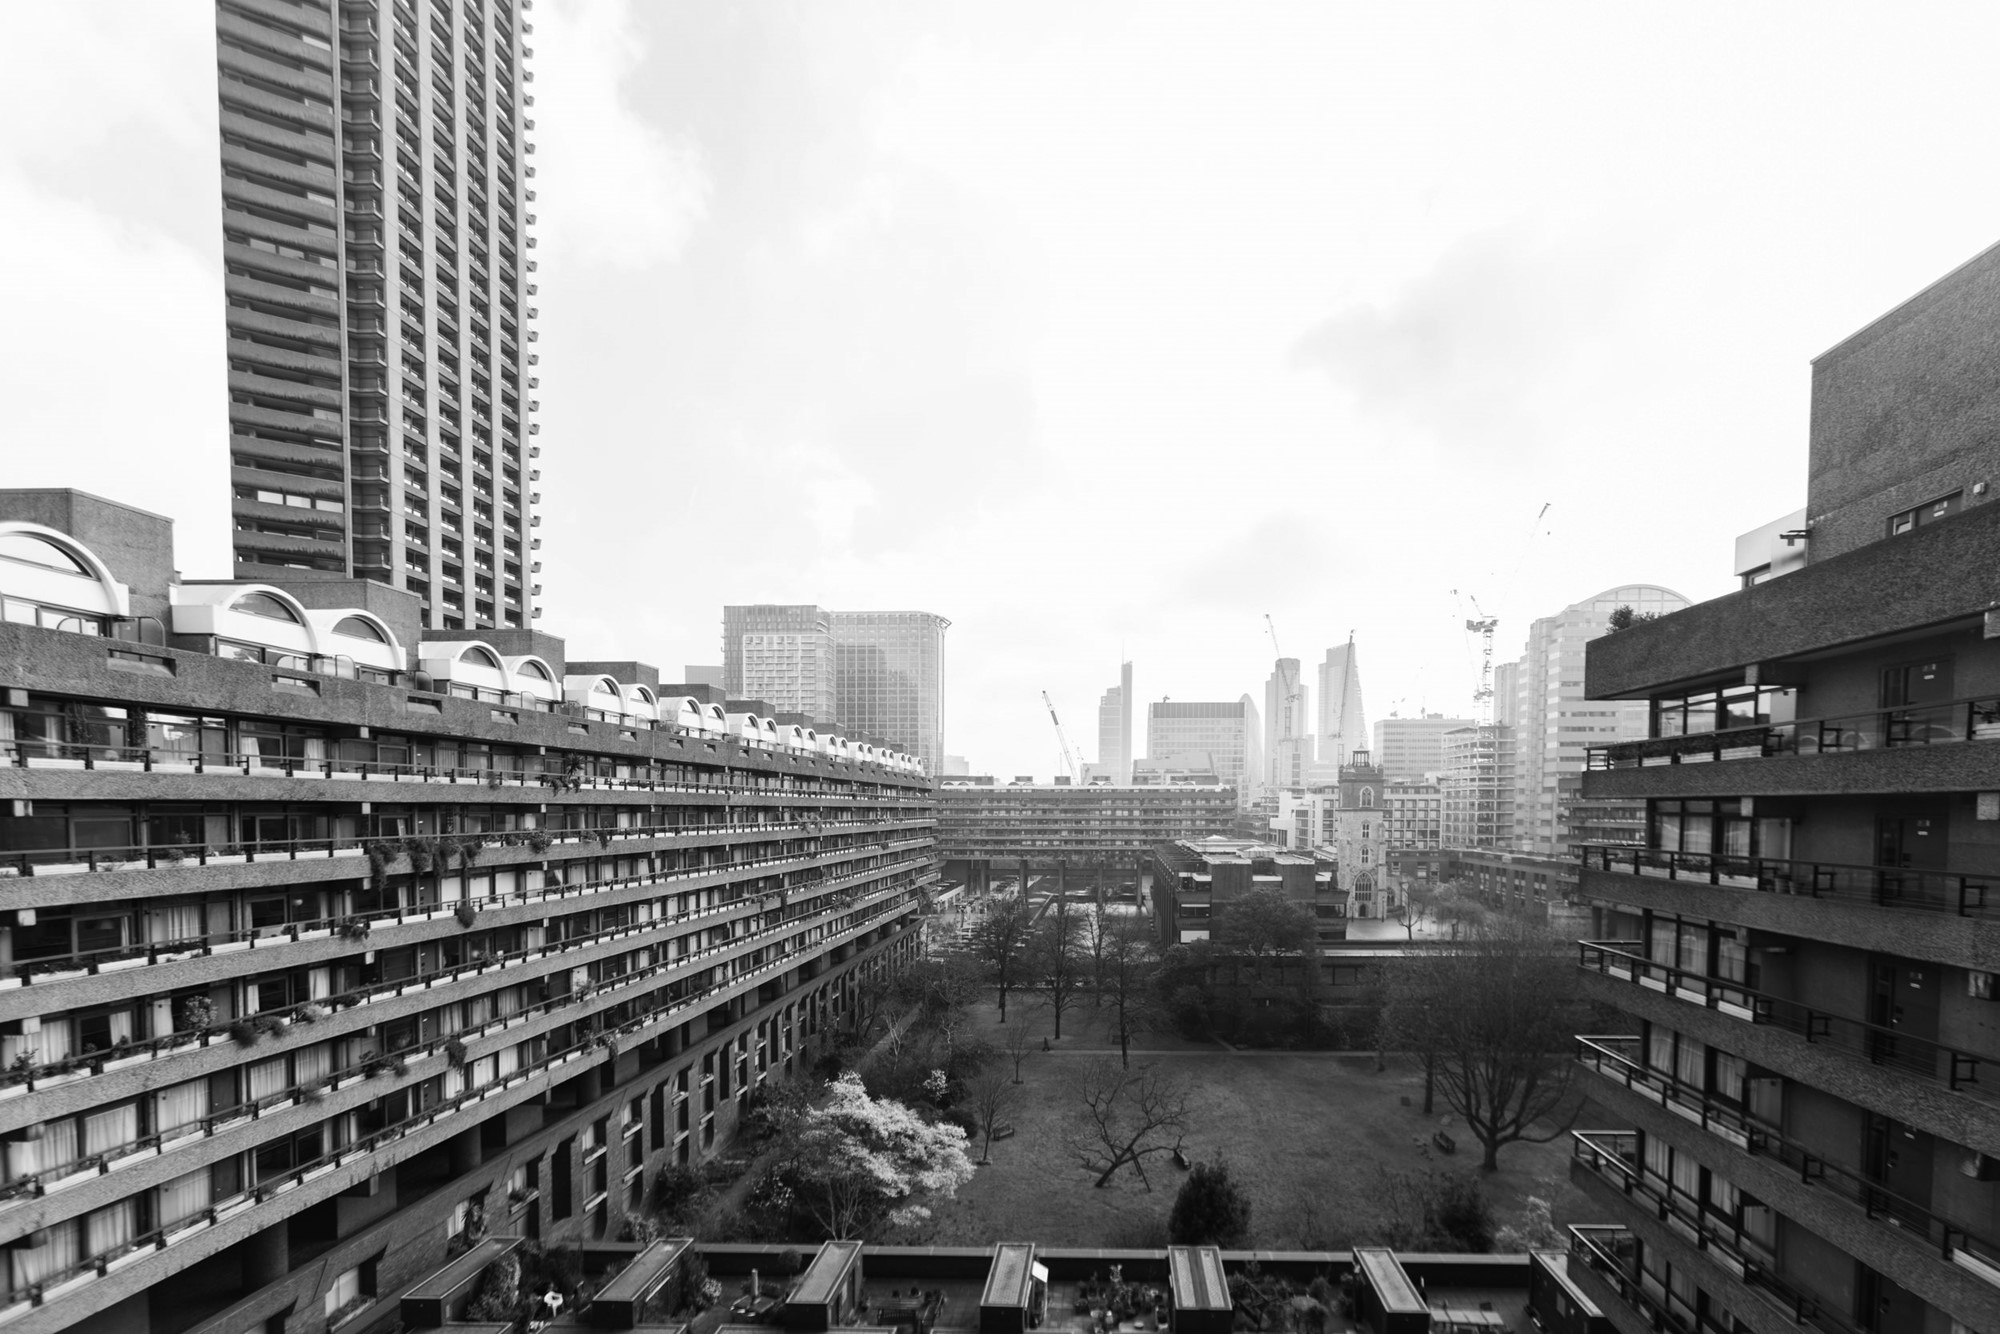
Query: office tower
1227, 732
314, 979
699, 674
1409, 748
782, 655
376, 202
1114, 728
889, 675
1343, 722
1478, 786
1803, 952
1554, 723
1288, 736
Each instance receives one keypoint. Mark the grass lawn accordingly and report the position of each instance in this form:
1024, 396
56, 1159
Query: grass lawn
1305, 1133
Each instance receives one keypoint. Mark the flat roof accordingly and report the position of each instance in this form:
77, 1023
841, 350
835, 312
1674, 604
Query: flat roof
1009, 1278
825, 1272
1195, 1275
1385, 1274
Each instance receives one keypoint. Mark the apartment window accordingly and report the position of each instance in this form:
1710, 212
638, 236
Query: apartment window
351, 1291
1928, 512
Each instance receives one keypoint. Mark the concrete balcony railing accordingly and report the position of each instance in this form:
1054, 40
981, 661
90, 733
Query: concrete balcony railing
1974, 718
1612, 1157
372, 1151
1896, 888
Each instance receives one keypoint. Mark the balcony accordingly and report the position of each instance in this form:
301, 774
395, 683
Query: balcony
1609, 1255
1947, 1263
1936, 914
1902, 1052
1611, 1159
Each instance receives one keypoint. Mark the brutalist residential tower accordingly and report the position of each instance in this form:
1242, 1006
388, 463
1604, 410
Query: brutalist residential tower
1805, 947
377, 185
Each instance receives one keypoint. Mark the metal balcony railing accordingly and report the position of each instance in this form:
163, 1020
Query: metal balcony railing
1618, 1059
1906, 888
1611, 1253
1904, 1052
1613, 1157
1975, 718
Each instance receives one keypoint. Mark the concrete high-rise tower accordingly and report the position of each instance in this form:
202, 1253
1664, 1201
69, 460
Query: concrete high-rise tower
1114, 727
1343, 723
376, 197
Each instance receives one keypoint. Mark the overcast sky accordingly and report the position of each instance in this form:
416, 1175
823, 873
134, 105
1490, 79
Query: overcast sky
1099, 329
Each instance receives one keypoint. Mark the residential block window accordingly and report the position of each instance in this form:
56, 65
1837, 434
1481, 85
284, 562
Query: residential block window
1928, 512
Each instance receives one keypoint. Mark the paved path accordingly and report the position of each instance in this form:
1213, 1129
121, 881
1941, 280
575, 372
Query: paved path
1198, 1051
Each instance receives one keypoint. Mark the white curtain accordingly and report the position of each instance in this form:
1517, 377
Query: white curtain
1692, 1060
174, 921
106, 1131
56, 1040
311, 1065
315, 748
109, 1231
58, 1144
181, 1105
266, 1078
508, 1061
184, 1197
55, 1256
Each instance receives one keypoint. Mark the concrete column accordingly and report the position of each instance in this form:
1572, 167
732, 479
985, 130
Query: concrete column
465, 1152
267, 1257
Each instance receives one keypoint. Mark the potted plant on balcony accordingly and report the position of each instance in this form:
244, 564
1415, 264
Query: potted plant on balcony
197, 1014
355, 928
380, 852
454, 1053
539, 840
245, 1033
466, 914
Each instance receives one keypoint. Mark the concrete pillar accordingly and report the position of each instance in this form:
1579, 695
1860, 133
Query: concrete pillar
267, 1257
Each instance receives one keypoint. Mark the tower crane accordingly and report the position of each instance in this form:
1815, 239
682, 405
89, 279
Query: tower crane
1069, 763
1298, 687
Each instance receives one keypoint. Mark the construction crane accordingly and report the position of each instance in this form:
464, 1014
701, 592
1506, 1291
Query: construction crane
1482, 625
1298, 687
1069, 762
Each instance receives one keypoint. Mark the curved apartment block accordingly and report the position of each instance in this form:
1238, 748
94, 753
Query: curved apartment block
328, 947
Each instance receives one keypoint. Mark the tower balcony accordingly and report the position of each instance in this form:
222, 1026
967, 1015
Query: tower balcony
1943, 915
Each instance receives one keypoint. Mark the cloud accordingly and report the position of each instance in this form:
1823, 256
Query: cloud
611, 188
1475, 346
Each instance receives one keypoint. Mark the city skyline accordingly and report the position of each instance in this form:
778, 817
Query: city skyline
1062, 378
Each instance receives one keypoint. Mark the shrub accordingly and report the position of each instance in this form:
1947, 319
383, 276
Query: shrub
466, 914
245, 1033
1210, 1210
454, 1052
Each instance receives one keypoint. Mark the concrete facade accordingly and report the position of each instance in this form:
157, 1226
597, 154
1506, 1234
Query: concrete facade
311, 978
375, 214
1804, 935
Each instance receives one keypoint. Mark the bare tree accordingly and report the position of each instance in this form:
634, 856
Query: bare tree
999, 941
1130, 975
1127, 1117
1097, 928
1020, 1041
1055, 961
992, 1095
1493, 1017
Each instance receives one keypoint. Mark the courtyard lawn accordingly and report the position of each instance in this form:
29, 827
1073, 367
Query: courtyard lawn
1304, 1133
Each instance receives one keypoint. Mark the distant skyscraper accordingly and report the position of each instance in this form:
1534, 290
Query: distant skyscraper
1343, 723
889, 674
1409, 748
1227, 732
1554, 723
1114, 727
374, 224
697, 675
1288, 736
781, 654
